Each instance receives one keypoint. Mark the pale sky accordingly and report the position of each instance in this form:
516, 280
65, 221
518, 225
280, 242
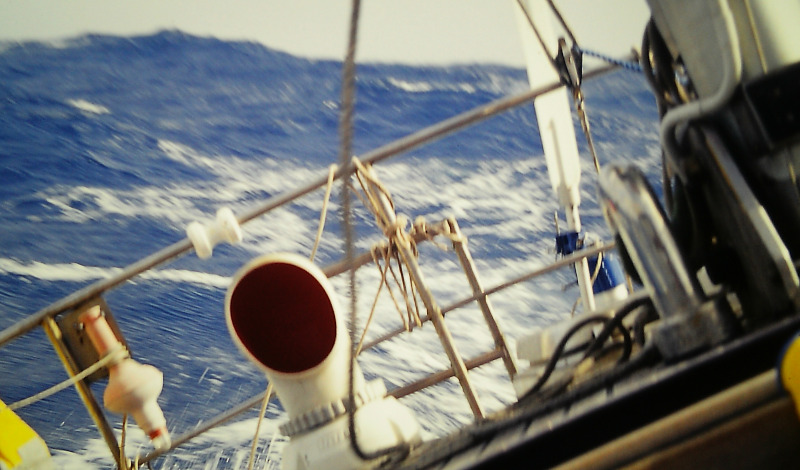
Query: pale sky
406, 31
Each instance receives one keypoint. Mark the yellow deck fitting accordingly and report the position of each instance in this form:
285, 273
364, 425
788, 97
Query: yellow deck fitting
20, 446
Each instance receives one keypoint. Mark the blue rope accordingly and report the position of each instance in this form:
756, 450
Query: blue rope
632, 66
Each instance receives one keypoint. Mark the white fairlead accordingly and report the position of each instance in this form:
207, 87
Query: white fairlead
205, 237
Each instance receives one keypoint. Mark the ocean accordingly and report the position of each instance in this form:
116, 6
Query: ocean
111, 146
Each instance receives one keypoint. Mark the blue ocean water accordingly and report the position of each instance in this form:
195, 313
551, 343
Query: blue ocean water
110, 146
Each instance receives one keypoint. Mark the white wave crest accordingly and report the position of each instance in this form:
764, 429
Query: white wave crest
74, 272
88, 107
187, 155
424, 87
413, 87
191, 277
55, 272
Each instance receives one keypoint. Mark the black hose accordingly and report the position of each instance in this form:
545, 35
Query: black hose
559, 349
615, 323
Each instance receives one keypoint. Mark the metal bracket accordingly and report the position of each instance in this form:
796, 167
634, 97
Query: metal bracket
77, 341
688, 320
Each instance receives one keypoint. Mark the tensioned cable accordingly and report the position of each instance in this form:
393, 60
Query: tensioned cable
345, 153
561, 70
346, 145
562, 21
529, 18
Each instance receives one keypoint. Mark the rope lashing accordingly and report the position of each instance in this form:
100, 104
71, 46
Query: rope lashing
375, 195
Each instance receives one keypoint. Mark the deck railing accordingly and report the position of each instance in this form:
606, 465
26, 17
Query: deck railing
48, 317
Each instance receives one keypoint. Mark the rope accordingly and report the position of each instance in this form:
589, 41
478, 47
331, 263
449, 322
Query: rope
375, 301
264, 403
581, 109
320, 229
413, 313
591, 283
404, 319
324, 211
625, 64
388, 227
395, 232
413, 316
572, 82
376, 197
116, 354
597, 266
559, 62
124, 460
345, 152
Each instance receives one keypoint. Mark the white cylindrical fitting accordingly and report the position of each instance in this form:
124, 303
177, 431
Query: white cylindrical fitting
281, 312
133, 388
205, 237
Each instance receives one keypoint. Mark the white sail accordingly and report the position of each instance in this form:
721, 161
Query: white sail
554, 117
552, 109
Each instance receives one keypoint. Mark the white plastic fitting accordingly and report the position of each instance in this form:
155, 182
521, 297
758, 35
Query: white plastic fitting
205, 237
281, 312
133, 388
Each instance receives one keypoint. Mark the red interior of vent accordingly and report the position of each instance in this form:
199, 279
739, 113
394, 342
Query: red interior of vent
284, 317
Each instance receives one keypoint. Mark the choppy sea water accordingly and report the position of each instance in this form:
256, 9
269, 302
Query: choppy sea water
111, 146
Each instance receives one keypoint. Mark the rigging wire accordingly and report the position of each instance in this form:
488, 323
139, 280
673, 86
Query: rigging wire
567, 63
550, 56
577, 95
564, 25
345, 153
